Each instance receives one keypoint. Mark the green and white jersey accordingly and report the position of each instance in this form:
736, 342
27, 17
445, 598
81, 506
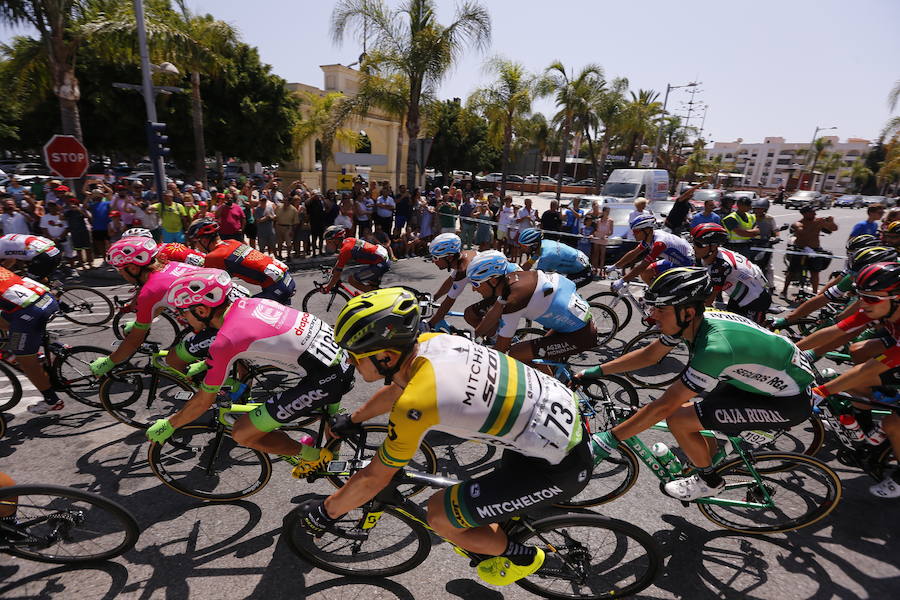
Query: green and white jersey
842, 290
729, 348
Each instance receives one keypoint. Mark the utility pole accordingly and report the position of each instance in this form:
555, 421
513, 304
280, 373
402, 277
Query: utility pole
669, 88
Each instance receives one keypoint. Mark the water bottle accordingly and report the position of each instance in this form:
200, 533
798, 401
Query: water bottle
876, 436
851, 426
665, 456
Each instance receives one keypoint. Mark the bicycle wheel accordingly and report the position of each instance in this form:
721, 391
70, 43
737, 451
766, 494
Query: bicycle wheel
72, 371
10, 387
164, 330
622, 307
806, 438
58, 524
607, 324
204, 462
138, 397
611, 479
84, 305
590, 556
395, 544
803, 490
423, 461
325, 306
2, 426
885, 462
662, 373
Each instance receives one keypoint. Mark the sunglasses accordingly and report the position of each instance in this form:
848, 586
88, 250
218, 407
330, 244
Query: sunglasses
355, 357
871, 299
476, 284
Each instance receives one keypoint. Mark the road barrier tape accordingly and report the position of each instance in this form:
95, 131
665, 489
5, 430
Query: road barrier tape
800, 252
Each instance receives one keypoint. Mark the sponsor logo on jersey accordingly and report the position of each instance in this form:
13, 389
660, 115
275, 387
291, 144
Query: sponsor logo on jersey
475, 490
413, 414
268, 312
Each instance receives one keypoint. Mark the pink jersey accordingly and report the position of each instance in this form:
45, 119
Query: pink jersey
152, 296
270, 333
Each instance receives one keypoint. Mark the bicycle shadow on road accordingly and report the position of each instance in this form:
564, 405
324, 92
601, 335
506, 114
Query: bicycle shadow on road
66, 581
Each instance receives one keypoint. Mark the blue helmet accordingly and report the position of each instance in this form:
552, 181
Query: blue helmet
485, 265
445, 244
643, 222
531, 236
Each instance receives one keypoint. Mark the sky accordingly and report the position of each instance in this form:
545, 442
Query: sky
767, 67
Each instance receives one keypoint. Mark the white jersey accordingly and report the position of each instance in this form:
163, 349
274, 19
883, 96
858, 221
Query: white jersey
25, 247
735, 275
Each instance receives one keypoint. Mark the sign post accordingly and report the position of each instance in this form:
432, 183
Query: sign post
66, 156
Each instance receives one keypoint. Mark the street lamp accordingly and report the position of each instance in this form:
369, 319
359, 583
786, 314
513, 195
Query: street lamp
811, 145
669, 88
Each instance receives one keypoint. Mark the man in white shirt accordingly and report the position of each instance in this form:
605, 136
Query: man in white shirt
506, 218
55, 227
13, 220
384, 210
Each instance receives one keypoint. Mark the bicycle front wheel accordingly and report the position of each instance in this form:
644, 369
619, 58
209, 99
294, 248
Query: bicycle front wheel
72, 371
204, 462
164, 330
621, 306
10, 387
662, 373
590, 556
84, 305
806, 438
611, 479
607, 324
138, 397
325, 306
58, 524
802, 490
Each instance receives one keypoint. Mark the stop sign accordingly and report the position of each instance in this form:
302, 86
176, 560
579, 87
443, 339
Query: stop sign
66, 156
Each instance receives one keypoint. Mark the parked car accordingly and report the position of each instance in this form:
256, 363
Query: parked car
701, 196
31, 169
589, 182
544, 179
882, 200
744, 194
851, 200
805, 198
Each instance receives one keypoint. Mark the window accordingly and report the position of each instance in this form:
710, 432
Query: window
770, 154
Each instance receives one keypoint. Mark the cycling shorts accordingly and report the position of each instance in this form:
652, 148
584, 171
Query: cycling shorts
798, 262
327, 387
730, 409
194, 347
557, 345
281, 291
582, 278
27, 325
518, 485
372, 274
756, 311
42, 266
661, 266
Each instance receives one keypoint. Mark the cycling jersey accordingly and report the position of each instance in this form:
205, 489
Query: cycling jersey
735, 274
26, 247
560, 258
460, 284
151, 299
174, 251
672, 247
842, 290
732, 349
18, 292
857, 322
474, 392
554, 304
243, 262
360, 251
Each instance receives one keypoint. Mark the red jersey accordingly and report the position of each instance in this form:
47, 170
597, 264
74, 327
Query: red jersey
173, 251
360, 251
859, 321
18, 292
242, 261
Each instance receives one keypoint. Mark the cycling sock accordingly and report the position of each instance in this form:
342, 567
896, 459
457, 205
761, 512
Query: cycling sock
710, 477
309, 453
50, 396
519, 554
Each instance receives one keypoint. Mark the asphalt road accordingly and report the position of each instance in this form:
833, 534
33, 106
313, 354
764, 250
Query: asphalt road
192, 549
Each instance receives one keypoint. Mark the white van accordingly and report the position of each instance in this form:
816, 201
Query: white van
627, 184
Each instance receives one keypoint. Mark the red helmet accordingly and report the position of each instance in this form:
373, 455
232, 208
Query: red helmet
709, 233
880, 277
202, 228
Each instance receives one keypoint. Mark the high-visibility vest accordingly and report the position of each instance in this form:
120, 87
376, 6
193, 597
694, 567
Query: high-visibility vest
748, 222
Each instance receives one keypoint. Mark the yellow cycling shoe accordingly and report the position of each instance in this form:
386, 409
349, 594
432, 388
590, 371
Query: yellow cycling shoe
500, 570
304, 468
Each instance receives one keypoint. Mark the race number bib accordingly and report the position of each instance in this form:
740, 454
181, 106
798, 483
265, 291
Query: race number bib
275, 271
579, 308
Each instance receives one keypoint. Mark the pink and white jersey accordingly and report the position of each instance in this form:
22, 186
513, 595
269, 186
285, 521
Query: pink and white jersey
270, 333
25, 247
152, 297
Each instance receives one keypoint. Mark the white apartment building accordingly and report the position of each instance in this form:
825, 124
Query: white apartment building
775, 162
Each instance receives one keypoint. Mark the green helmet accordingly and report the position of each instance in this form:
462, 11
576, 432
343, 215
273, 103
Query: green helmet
378, 320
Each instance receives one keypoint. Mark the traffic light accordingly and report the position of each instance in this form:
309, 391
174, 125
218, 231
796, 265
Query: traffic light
157, 139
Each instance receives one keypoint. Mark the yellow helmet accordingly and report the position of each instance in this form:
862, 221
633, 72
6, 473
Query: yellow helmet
378, 320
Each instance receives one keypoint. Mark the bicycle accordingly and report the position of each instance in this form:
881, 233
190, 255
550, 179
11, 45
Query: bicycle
585, 552
81, 304
57, 524
623, 303
166, 330
319, 303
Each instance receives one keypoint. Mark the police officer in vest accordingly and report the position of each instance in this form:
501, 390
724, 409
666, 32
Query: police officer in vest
741, 226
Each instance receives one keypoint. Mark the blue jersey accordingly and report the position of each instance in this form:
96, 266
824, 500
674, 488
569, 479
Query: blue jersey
560, 258
555, 304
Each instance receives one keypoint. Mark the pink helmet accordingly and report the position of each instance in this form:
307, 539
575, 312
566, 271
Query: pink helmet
132, 251
203, 287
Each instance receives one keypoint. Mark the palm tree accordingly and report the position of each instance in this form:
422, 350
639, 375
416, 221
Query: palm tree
324, 119
859, 174
409, 40
569, 93
816, 149
889, 172
697, 163
503, 103
533, 132
609, 110
831, 163
640, 114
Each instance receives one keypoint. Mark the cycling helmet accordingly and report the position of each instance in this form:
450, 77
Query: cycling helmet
334, 232
531, 236
202, 228
445, 245
760, 203
869, 256
378, 320
679, 286
203, 287
132, 251
892, 227
705, 234
485, 265
880, 277
859, 242
137, 232
643, 222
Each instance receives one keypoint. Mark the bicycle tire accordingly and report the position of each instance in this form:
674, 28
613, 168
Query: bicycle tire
186, 447
122, 391
82, 300
72, 372
605, 475
10, 387
325, 306
164, 330
427, 463
613, 564
884, 462
2, 426
757, 521
316, 550
623, 308
786, 441
105, 518
662, 374
607, 324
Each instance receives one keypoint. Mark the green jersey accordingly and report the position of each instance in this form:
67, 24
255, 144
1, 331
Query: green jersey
729, 348
842, 290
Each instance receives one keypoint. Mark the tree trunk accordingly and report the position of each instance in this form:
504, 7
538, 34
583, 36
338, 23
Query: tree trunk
593, 156
507, 143
398, 166
220, 166
562, 158
604, 152
326, 154
197, 117
412, 132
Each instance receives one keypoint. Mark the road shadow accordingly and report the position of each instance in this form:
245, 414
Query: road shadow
53, 583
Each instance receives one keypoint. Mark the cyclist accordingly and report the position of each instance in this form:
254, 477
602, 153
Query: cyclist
747, 288
375, 256
41, 254
664, 251
170, 250
243, 262
265, 331
454, 385
878, 287
556, 257
890, 235
25, 308
748, 377
547, 298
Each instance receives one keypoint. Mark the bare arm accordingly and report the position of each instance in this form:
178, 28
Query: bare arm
360, 488
194, 409
379, 404
637, 359
129, 345
656, 411
828, 337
